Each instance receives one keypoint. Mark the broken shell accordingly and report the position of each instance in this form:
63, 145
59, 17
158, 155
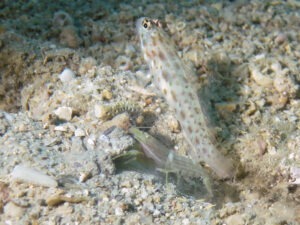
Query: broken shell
180, 25
259, 78
139, 120
295, 174
79, 132
106, 94
85, 176
278, 101
174, 125
282, 84
123, 63
276, 67
29, 175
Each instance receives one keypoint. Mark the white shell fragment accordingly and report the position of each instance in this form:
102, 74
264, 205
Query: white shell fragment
79, 132
32, 176
99, 111
295, 174
67, 75
64, 113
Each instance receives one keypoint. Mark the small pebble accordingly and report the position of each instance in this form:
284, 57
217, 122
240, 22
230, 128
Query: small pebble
64, 113
295, 175
280, 38
119, 211
186, 221
61, 128
106, 94
102, 112
13, 211
85, 176
79, 132
174, 125
58, 199
226, 106
67, 75
86, 64
235, 219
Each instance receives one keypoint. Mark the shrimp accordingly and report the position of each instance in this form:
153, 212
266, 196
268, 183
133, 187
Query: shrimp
168, 160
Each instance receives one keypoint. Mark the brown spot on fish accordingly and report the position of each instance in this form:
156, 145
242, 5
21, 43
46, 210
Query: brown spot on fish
161, 56
182, 114
165, 91
158, 79
160, 38
197, 130
148, 54
154, 41
197, 141
153, 53
173, 95
190, 129
165, 75
144, 42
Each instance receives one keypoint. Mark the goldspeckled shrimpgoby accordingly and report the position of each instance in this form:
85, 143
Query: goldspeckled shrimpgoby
171, 77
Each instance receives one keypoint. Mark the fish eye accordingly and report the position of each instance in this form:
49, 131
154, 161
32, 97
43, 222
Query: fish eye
146, 24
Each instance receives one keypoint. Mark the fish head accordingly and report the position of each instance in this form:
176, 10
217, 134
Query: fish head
151, 35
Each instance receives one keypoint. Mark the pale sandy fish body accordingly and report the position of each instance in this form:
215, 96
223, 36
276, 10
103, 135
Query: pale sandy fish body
171, 77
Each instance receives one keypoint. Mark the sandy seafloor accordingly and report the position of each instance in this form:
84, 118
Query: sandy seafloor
246, 56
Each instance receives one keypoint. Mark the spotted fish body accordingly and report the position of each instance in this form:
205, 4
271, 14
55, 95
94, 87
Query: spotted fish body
171, 77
